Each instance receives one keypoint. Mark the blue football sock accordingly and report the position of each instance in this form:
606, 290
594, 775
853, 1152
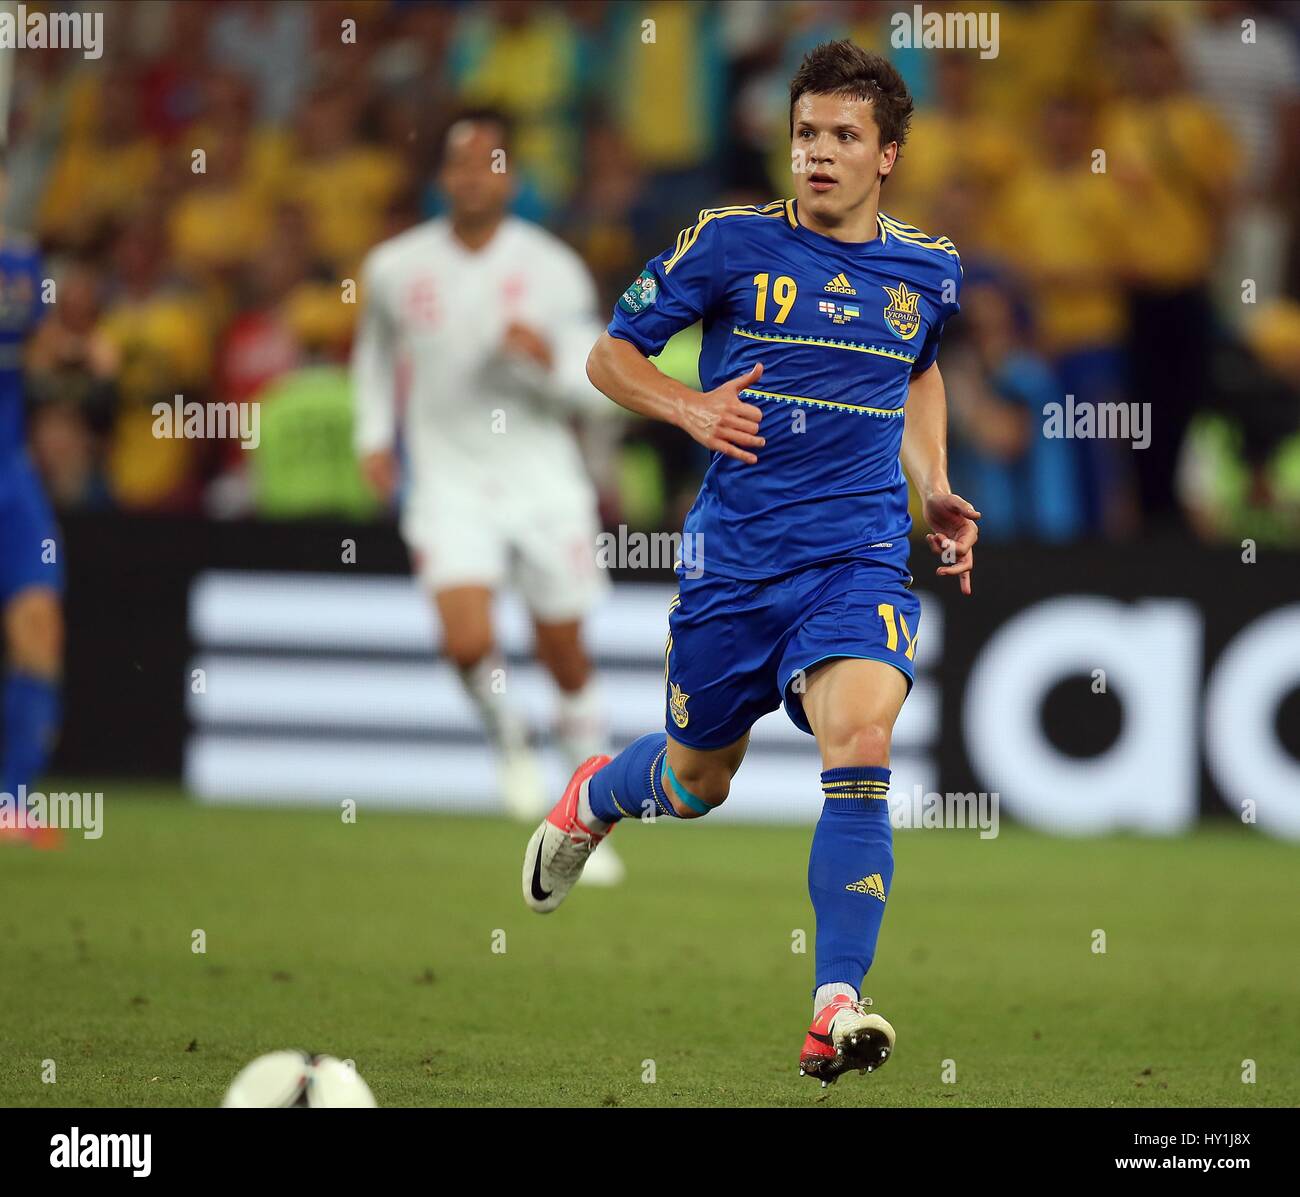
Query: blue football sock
850, 872
632, 783
31, 723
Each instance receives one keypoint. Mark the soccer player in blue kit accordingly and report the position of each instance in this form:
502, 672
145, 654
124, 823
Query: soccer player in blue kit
30, 566
821, 324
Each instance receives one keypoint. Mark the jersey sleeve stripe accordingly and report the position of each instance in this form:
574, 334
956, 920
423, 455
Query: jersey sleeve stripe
915, 236
687, 237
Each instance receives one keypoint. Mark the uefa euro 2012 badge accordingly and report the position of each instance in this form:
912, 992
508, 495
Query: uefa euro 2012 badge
640, 295
900, 312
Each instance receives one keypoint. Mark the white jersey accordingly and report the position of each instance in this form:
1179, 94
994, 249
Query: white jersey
492, 461
441, 310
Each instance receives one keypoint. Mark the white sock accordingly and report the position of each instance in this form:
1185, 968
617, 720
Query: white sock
505, 730
822, 998
580, 724
585, 813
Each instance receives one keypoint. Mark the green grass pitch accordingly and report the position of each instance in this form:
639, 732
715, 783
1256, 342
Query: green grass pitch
375, 941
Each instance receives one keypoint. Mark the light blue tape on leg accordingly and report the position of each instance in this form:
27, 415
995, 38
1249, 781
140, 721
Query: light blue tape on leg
700, 808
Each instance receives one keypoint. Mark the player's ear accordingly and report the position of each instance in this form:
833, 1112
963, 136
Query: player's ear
888, 156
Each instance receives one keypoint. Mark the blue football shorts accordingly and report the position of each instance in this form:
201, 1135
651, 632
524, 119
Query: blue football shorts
736, 649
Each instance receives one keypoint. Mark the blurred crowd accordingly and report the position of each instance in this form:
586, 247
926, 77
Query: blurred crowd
1121, 181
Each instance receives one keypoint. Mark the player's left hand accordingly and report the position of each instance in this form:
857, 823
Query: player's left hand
953, 533
526, 342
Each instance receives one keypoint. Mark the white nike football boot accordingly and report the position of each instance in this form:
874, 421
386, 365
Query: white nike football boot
844, 1036
562, 846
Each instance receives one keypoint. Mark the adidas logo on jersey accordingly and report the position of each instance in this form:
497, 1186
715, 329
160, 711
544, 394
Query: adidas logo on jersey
840, 285
872, 885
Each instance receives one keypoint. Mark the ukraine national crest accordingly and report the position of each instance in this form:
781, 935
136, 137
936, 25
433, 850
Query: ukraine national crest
901, 313
677, 705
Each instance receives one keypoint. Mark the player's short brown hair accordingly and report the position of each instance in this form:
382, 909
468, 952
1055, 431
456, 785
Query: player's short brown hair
845, 69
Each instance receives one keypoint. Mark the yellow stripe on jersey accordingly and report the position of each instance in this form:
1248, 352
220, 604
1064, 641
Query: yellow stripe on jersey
752, 209
947, 248
903, 228
853, 407
687, 237
907, 233
910, 231
880, 224
826, 341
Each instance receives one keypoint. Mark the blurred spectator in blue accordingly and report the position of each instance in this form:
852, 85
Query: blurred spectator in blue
1063, 226
1024, 482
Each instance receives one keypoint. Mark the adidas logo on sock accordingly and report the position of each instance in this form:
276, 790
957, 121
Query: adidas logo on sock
872, 885
840, 285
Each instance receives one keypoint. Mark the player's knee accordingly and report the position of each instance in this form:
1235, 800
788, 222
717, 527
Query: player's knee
567, 664
704, 785
854, 743
34, 632
467, 648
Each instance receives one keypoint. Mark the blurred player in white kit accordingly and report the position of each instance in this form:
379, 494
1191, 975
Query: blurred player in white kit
488, 319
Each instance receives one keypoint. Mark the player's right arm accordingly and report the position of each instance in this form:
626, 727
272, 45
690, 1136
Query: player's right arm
673, 292
718, 419
374, 387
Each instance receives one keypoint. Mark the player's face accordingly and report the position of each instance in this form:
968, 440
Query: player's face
836, 156
474, 174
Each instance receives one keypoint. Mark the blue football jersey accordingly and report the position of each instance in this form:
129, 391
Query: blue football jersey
840, 329
20, 311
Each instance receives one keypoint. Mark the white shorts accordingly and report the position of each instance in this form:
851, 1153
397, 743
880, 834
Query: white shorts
544, 545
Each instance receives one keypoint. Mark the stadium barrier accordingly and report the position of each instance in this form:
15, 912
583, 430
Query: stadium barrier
1089, 689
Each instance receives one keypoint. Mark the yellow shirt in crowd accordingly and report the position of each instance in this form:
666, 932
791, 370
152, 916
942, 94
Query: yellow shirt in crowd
164, 347
1175, 163
1064, 230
